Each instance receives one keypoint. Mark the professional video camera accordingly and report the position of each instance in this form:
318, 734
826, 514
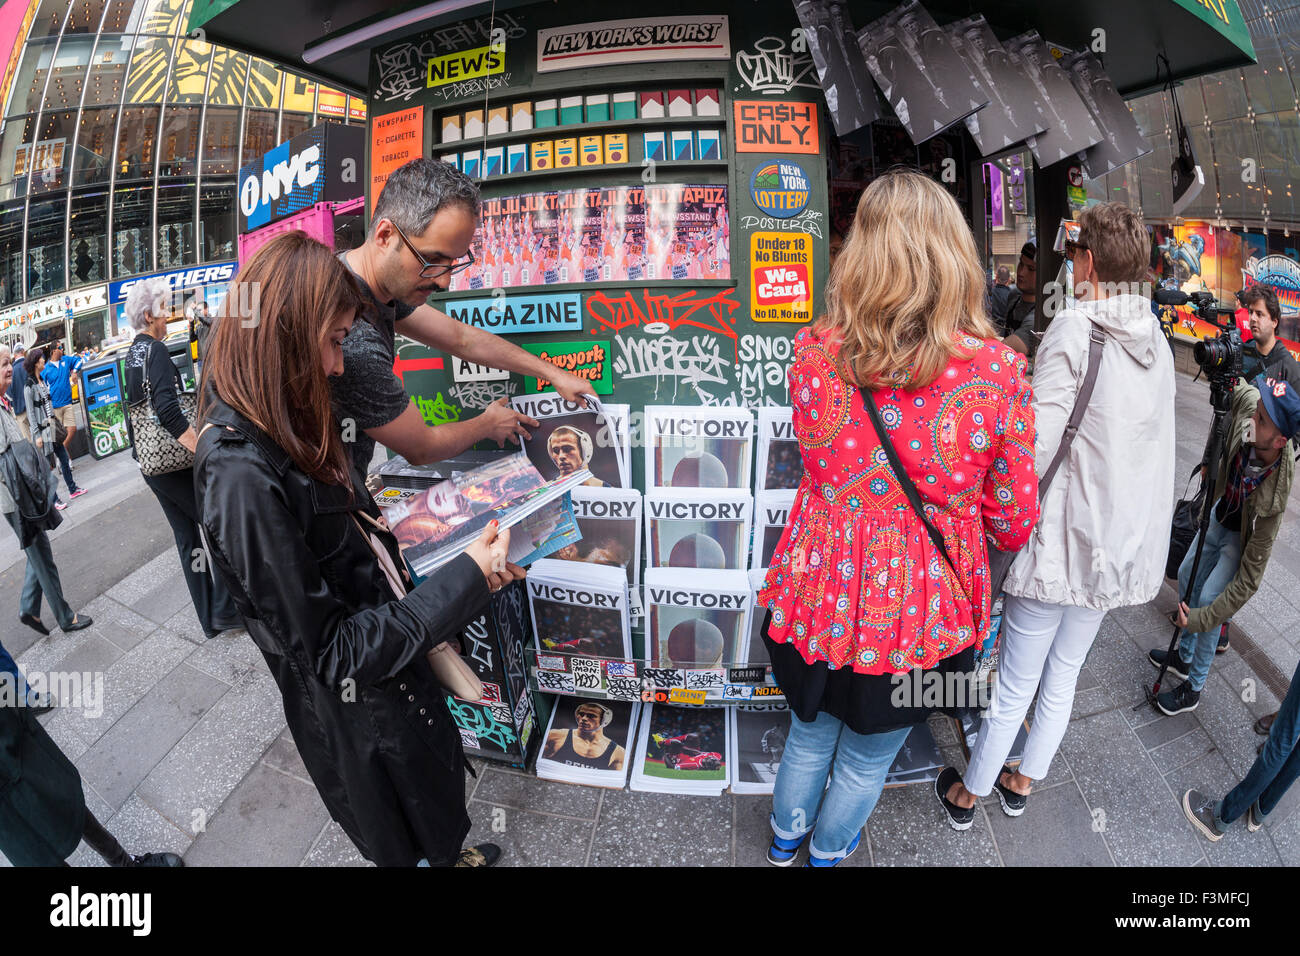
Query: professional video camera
1220, 356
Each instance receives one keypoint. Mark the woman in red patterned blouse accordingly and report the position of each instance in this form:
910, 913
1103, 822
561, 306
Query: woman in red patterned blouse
857, 592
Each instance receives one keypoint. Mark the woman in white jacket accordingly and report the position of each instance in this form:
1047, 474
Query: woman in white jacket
1103, 530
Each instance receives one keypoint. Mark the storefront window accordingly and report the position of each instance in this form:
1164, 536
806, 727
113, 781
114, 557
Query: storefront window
132, 231
217, 223
299, 94
46, 234
220, 142
88, 239
135, 143
89, 330
175, 225
29, 86
94, 153
118, 17
292, 124
160, 17
53, 151
107, 71
49, 18
15, 150
178, 144
11, 253
259, 135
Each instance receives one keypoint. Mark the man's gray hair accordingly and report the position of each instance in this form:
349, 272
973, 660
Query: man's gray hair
146, 299
418, 191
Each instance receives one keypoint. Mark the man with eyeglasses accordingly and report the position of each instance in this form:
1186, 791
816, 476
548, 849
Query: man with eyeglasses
419, 235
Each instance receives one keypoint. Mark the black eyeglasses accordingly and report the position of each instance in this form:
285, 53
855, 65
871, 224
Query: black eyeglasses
1072, 246
433, 270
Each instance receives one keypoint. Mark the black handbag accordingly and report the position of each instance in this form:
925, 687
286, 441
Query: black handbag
1182, 530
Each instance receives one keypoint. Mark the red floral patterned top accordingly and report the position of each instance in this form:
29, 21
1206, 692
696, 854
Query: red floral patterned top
855, 579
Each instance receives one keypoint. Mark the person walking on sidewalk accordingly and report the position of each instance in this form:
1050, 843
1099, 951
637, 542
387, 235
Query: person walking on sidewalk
151, 375
42, 422
881, 573
1103, 531
61, 374
1254, 481
27, 502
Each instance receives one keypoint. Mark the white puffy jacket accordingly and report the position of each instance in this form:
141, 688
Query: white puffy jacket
1103, 528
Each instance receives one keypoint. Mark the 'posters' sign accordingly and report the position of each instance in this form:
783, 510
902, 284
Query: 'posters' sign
781, 287
633, 41
776, 126
508, 315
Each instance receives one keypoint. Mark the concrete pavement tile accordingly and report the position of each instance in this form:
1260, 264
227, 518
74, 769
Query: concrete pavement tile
48, 652
754, 834
166, 598
333, 848
284, 756
662, 829
218, 752
141, 829
1056, 829
269, 819
60, 726
1119, 667
1087, 680
528, 793
1091, 701
1140, 619
1273, 605
909, 828
118, 623
1212, 776
530, 839
229, 657
1235, 671
144, 579
133, 746
185, 622
1279, 650
1285, 834
92, 655
1171, 728
1182, 751
83, 855
1143, 825
1228, 722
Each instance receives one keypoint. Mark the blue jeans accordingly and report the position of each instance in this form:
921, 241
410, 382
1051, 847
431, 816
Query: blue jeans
42, 579
1276, 767
1219, 563
801, 801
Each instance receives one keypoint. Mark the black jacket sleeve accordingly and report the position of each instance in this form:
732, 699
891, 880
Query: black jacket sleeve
162, 383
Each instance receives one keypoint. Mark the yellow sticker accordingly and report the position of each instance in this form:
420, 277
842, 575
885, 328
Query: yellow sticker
680, 695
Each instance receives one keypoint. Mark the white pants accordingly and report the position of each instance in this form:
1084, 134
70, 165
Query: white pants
1047, 642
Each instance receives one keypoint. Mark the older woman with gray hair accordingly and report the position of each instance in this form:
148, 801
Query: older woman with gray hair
151, 376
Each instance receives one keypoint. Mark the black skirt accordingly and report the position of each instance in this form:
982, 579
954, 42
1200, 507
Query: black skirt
869, 703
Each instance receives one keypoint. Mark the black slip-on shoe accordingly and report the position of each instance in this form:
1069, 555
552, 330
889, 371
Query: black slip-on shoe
1013, 804
959, 818
34, 623
82, 621
485, 854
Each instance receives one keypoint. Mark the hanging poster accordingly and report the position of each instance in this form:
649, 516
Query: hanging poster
601, 234
781, 289
841, 69
646, 40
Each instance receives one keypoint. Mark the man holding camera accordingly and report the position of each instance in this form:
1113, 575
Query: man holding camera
1254, 479
1264, 354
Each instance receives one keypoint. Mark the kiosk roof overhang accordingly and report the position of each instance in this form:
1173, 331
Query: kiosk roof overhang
330, 39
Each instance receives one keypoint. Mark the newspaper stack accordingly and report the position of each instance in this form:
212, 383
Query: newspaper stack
572, 437
579, 609
697, 528
588, 741
695, 447
756, 738
609, 520
682, 750
780, 462
755, 651
771, 515
697, 623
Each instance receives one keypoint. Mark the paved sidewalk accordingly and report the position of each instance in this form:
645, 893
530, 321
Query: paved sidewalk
191, 753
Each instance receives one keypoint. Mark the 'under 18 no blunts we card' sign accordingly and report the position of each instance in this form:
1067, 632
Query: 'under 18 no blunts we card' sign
781, 283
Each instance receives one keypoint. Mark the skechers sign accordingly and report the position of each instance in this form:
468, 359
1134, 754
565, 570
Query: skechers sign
179, 280
505, 315
323, 164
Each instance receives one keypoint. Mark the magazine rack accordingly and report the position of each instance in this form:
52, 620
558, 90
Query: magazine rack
607, 678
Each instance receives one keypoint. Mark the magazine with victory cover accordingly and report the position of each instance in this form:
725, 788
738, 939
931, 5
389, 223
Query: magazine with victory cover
697, 528
691, 446
780, 463
771, 515
698, 620
580, 609
1122, 139
573, 437
1016, 112
682, 750
924, 79
757, 738
609, 520
589, 741
1071, 128
441, 521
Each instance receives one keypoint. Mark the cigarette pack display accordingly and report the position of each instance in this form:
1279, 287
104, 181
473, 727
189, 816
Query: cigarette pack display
521, 116
494, 158
546, 113
1071, 128
651, 104
517, 158
656, 147
471, 162
1016, 112
756, 736
452, 158
697, 528
708, 144
771, 515
681, 750
574, 437
597, 107
566, 153
543, 154
570, 110
679, 102
593, 150
589, 742
498, 120
616, 148
473, 124
697, 620
451, 128
708, 103
780, 463
692, 446
579, 609
624, 106
682, 144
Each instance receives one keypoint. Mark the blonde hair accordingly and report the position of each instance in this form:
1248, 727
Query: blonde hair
906, 286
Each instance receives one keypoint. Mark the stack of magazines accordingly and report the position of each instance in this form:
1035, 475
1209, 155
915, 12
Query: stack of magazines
579, 609
697, 622
589, 741
682, 750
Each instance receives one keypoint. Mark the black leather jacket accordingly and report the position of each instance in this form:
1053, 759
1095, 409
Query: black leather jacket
367, 714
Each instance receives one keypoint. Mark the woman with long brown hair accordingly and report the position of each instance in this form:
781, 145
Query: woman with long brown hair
317, 575
862, 588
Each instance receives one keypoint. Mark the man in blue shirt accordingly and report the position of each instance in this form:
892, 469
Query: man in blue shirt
17, 398
60, 374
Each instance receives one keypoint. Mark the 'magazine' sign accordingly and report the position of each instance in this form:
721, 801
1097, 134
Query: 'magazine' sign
517, 313
633, 41
324, 164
